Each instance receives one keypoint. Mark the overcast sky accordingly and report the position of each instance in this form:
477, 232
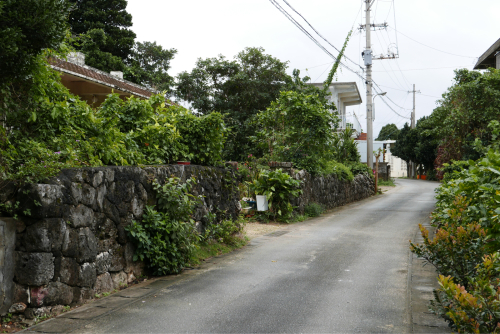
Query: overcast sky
202, 29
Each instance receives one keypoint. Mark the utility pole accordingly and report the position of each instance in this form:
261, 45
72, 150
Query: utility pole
413, 124
368, 57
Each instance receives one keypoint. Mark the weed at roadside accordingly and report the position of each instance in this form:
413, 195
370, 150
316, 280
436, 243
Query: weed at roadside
388, 183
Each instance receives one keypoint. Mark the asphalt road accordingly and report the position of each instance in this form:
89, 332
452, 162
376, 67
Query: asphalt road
346, 272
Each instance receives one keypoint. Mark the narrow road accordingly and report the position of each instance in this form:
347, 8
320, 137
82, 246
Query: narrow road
346, 271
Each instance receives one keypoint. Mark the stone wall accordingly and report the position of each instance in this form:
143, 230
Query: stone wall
330, 191
73, 245
7, 245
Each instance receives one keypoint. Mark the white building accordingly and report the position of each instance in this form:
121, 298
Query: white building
398, 166
343, 95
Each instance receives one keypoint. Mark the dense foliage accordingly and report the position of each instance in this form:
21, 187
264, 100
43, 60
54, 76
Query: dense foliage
112, 18
468, 240
238, 88
344, 147
167, 238
279, 188
148, 65
388, 132
465, 112
297, 128
101, 30
48, 124
476, 309
26, 28
313, 209
418, 145
462, 116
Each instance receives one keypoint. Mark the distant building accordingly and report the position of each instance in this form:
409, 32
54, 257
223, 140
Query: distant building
344, 94
397, 165
491, 58
93, 85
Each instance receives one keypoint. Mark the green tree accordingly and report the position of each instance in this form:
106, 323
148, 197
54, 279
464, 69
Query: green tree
464, 114
404, 147
110, 16
91, 44
388, 132
26, 28
148, 66
297, 127
426, 147
238, 88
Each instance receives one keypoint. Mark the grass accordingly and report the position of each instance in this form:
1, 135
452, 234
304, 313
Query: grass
213, 248
300, 218
388, 183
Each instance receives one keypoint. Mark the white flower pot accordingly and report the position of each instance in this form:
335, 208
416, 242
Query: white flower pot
261, 202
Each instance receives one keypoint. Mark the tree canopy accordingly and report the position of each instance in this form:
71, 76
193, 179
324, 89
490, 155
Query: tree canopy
417, 145
26, 28
112, 18
388, 131
238, 88
148, 66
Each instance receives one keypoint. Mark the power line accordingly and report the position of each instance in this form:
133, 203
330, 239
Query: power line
321, 35
301, 28
394, 111
430, 47
382, 63
429, 68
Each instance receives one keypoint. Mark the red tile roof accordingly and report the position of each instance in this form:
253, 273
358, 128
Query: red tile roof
362, 136
95, 75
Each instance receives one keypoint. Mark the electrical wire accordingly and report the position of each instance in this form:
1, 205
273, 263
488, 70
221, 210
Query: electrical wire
342, 65
398, 82
430, 68
430, 47
352, 61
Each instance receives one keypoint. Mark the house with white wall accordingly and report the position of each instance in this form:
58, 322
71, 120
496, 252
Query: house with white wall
398, 166
343, 95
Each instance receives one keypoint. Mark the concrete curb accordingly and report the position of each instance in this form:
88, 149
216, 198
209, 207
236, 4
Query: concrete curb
421, 283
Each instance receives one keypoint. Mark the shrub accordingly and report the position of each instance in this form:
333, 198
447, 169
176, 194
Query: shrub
455, 250
297, 127
476, 309
43, 117
452, 171
359, 168
166, 239
313, 209
340, 170
222, 231
279, 187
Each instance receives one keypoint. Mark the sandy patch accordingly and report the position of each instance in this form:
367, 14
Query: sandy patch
254, 229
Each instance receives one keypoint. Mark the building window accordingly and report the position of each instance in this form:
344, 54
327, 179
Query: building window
403, 165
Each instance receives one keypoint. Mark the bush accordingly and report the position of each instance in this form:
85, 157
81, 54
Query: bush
223, 231
43, 117
477, 309
166, 239
452, 171
455, 250
297, 128
314, 209
359, 168
340, 170
279, 187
